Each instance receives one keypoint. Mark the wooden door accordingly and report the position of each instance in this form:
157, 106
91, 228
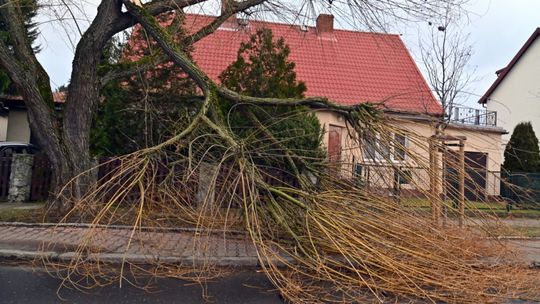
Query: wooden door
334, 144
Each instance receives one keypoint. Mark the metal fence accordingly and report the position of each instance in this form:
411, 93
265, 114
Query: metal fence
521, 188
471, 116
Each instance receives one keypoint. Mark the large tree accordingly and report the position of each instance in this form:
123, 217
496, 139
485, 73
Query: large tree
65, 136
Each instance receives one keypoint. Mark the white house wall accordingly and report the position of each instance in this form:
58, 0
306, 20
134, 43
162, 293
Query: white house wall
517, 97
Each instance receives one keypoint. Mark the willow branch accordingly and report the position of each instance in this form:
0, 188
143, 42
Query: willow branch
312, 102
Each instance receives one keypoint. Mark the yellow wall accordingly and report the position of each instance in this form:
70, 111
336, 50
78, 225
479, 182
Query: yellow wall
478, 140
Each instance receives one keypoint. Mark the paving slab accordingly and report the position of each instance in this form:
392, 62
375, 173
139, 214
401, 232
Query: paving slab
119, 244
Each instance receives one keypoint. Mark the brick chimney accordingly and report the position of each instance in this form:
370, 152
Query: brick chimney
325, 23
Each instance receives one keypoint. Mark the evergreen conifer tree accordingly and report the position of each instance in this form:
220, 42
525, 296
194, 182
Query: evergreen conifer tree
263, 69
522, 153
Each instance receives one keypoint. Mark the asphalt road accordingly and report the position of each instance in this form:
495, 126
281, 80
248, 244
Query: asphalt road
19, 285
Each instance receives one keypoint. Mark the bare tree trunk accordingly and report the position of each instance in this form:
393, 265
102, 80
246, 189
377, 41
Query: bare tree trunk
82, 99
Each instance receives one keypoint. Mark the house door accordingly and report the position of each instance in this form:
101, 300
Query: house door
334, 144
475, 175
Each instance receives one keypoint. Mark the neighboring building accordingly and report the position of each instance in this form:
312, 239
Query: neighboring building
14, 125
515, 94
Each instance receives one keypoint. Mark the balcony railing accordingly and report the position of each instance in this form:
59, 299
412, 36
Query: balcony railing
470, 116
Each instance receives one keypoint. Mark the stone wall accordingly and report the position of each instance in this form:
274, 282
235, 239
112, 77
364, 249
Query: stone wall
20, 178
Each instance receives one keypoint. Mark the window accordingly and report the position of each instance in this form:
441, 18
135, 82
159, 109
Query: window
370, 143
400, 147
375, 147
403, 177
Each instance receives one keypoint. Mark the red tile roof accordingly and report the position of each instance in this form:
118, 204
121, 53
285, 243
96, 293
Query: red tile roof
348, 67
501, 74
58, 97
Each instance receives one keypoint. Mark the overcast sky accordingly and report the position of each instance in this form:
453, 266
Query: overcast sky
498, 29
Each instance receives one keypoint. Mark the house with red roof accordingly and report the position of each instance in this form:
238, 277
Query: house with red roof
515, 94
348, 67
352, 67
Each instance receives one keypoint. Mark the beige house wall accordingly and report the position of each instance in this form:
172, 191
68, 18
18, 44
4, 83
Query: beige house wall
3, 127
490, 143
483, 140
18, 128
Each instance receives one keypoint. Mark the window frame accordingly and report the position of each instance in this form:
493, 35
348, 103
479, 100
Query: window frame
392, 149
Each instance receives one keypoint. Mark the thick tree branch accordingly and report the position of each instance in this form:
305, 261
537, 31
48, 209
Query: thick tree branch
155, 7
120, 71
11, 65
203, 81
26, 72
12, 14
235, 8
83, 91
168, 46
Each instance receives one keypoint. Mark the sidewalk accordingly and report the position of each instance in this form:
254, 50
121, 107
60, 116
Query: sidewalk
23, 241
28, 241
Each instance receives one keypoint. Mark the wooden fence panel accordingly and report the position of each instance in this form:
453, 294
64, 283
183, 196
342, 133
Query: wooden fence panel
5, 171
41, 178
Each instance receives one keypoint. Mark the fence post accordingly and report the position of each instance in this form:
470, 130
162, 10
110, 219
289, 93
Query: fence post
20, 178
434, 181
461, 183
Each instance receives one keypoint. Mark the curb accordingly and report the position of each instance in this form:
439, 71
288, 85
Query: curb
120, 258
517, 238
